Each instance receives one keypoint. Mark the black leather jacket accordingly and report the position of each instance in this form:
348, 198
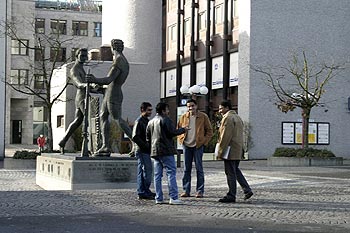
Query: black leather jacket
139, 135
160, 133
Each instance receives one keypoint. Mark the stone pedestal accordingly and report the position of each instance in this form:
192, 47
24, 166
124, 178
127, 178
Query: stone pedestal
71, 172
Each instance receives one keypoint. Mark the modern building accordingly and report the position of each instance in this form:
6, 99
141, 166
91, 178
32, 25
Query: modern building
75, 24
2, 84
215, 44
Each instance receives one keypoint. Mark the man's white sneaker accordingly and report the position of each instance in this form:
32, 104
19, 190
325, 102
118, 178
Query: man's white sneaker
160, 202
175, 202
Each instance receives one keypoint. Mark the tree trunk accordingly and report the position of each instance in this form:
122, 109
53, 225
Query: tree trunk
305, 128
49, 130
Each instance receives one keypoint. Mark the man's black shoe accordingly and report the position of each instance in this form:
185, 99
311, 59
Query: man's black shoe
141, 197
227, 199
248, 195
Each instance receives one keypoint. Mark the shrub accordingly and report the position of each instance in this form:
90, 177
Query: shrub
24, 154
306, 152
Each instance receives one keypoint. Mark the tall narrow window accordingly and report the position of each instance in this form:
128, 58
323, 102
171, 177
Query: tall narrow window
97, 29
58, 54
219, 14
19, 47
187, 26
39, 54
19, 77
39, 81
202, 20
80, 28
58, 26
40, 26
73, 51
60, 121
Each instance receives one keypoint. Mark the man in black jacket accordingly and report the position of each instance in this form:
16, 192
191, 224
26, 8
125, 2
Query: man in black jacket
142, 152
160, 134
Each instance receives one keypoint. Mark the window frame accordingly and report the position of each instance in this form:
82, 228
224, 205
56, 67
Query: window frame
77, 28
20, 47
19, 76
58, 26
38, 22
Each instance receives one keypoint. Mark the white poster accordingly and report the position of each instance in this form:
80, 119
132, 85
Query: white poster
217, 73
323, 133
288, 133
233, 69
200, 79
170, 89
162, 82
186, 71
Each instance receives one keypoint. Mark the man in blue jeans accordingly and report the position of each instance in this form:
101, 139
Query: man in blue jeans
142, 152
193, 145
160, 133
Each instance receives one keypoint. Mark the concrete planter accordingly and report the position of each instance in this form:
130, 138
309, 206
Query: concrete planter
303, 162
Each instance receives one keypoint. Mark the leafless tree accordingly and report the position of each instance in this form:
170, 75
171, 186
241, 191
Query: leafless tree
299, 85
43, 65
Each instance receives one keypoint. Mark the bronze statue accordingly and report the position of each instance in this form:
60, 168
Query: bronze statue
78, 76
113, 97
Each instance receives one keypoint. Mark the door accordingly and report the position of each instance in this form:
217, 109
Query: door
16, 132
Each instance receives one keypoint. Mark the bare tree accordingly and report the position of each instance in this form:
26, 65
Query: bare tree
299, 85
43, 66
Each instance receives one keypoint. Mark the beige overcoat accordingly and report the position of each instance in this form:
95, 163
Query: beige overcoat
231, 134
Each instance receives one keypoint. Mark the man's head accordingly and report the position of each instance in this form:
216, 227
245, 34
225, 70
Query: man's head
225, 106
81, 55
146, 109
117, 45
41, 135
191, 106
162, 108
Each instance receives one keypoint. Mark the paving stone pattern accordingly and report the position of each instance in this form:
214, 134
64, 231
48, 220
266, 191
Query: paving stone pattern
314, 195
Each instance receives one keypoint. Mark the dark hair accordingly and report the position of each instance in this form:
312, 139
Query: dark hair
79, 51
191, 101
161, 107
144, 106
226, 104
117, 44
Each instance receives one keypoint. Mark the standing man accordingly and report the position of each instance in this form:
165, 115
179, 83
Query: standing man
78, 75
160, 133
142, 152
113, 97
193, 145
231, 138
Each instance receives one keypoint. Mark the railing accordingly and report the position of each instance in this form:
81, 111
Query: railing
86, 5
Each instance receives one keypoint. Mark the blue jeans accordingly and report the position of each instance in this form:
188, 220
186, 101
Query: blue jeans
167, 162
196, 154
234, 175
144, 173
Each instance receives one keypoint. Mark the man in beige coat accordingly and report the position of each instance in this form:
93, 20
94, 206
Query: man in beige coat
231, 138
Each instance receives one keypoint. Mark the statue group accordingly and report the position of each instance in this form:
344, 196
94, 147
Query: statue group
111, 103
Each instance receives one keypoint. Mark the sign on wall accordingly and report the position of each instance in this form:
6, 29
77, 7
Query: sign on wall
233, 69
170, 85
318, 133
217, 66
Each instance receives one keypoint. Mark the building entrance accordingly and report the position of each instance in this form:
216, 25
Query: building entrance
16, 132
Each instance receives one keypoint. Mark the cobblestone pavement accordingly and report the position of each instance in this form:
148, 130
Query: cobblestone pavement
313, 199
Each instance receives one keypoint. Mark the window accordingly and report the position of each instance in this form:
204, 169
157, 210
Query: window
40, 26
60, 121
235, 8
80, 28
58, 54
19, 47
172, 32
59, 26
201, 21
39, 54
39, 81
19, 77
219, 14
97, 29
187, 26
73, 51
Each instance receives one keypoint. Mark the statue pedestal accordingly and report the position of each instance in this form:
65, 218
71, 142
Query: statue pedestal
70, 172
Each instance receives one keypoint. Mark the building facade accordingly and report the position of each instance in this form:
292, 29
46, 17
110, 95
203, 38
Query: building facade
216, 44
72, 25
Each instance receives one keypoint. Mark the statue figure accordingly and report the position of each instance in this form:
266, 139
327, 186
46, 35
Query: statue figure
113, 97
78, 76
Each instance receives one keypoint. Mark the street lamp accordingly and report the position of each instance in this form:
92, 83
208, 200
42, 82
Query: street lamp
194, 90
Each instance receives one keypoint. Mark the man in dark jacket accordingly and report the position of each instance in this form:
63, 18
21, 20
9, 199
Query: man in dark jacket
160, 133
142, 152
